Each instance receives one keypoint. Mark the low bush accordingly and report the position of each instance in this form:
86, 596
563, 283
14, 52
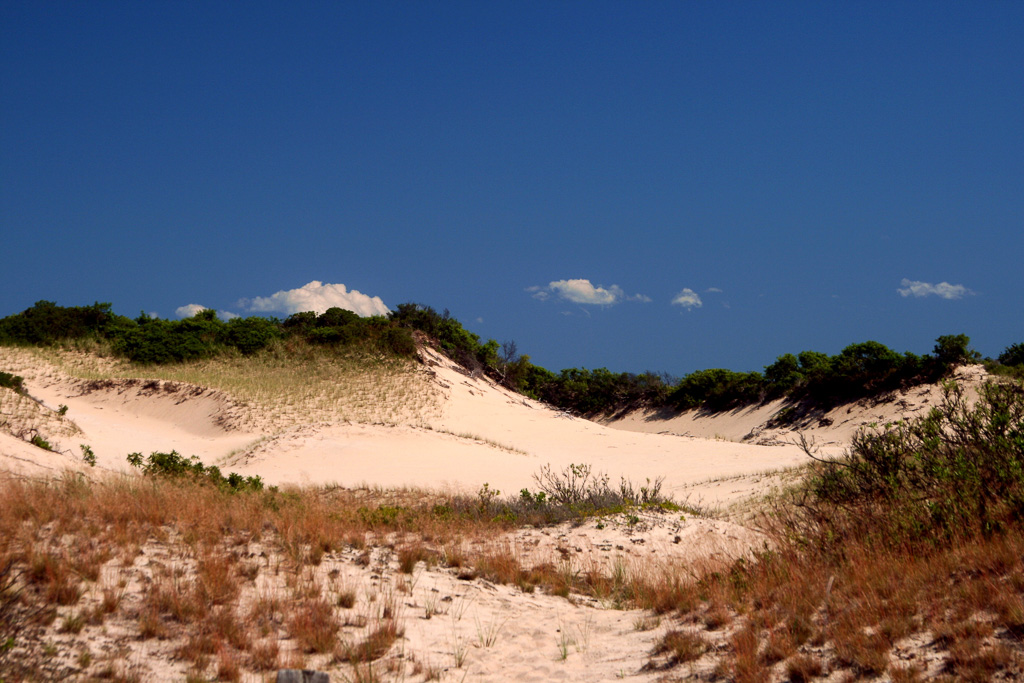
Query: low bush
174, 465
1013, 355
957, 471
12, 382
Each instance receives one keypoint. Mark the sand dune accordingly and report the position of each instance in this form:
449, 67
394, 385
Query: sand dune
482, 433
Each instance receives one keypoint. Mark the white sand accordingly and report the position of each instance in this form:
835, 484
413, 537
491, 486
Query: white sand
484, 434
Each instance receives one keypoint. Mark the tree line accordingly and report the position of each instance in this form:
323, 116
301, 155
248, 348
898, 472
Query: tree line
148, 340
812, 377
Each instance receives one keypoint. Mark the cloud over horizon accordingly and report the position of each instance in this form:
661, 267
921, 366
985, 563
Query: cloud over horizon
190, 310
943, 290
582, 291
688, 299
317, 297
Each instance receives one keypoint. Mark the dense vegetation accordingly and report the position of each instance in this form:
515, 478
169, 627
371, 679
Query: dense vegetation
915, 533
149, 340
902, 559
957, 471
809, 378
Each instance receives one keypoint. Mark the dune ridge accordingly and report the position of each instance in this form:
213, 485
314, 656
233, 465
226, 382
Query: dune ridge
470, 433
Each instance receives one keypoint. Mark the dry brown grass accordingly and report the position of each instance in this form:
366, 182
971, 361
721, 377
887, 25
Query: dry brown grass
681, 646
226, 578
313, 624
230, 578
374, 645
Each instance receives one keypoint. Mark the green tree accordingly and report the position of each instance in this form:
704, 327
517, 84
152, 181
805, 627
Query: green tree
1012, 355
954, 349
782, 375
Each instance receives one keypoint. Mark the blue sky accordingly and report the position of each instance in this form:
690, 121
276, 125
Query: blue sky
792, 175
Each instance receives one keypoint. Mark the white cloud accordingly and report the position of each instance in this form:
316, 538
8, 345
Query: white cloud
582, 291
688, 299
539, 293
943, 290
714, 290
317, 297
189, 310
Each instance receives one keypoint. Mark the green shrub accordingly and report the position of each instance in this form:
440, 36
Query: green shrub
174, 465
249, 335
14, 382
782, 376
958, 470
717, 389
1012, 355
46, 323
954, 349
397, 342
456, 341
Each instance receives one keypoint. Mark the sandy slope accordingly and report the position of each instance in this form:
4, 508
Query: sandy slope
489, 435
483, 434
829, 429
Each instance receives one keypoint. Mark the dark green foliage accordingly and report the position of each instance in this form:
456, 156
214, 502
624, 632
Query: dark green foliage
46, 323
249, 335
10, 381
858, 370
174, 465
1013, 355
590, 392
157, 341
960, 469
148, 340
38, 441
452, 338
954, 349
398, 342
339, 327
300, 321
782, 376
337, 317
717, 390
810, 378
